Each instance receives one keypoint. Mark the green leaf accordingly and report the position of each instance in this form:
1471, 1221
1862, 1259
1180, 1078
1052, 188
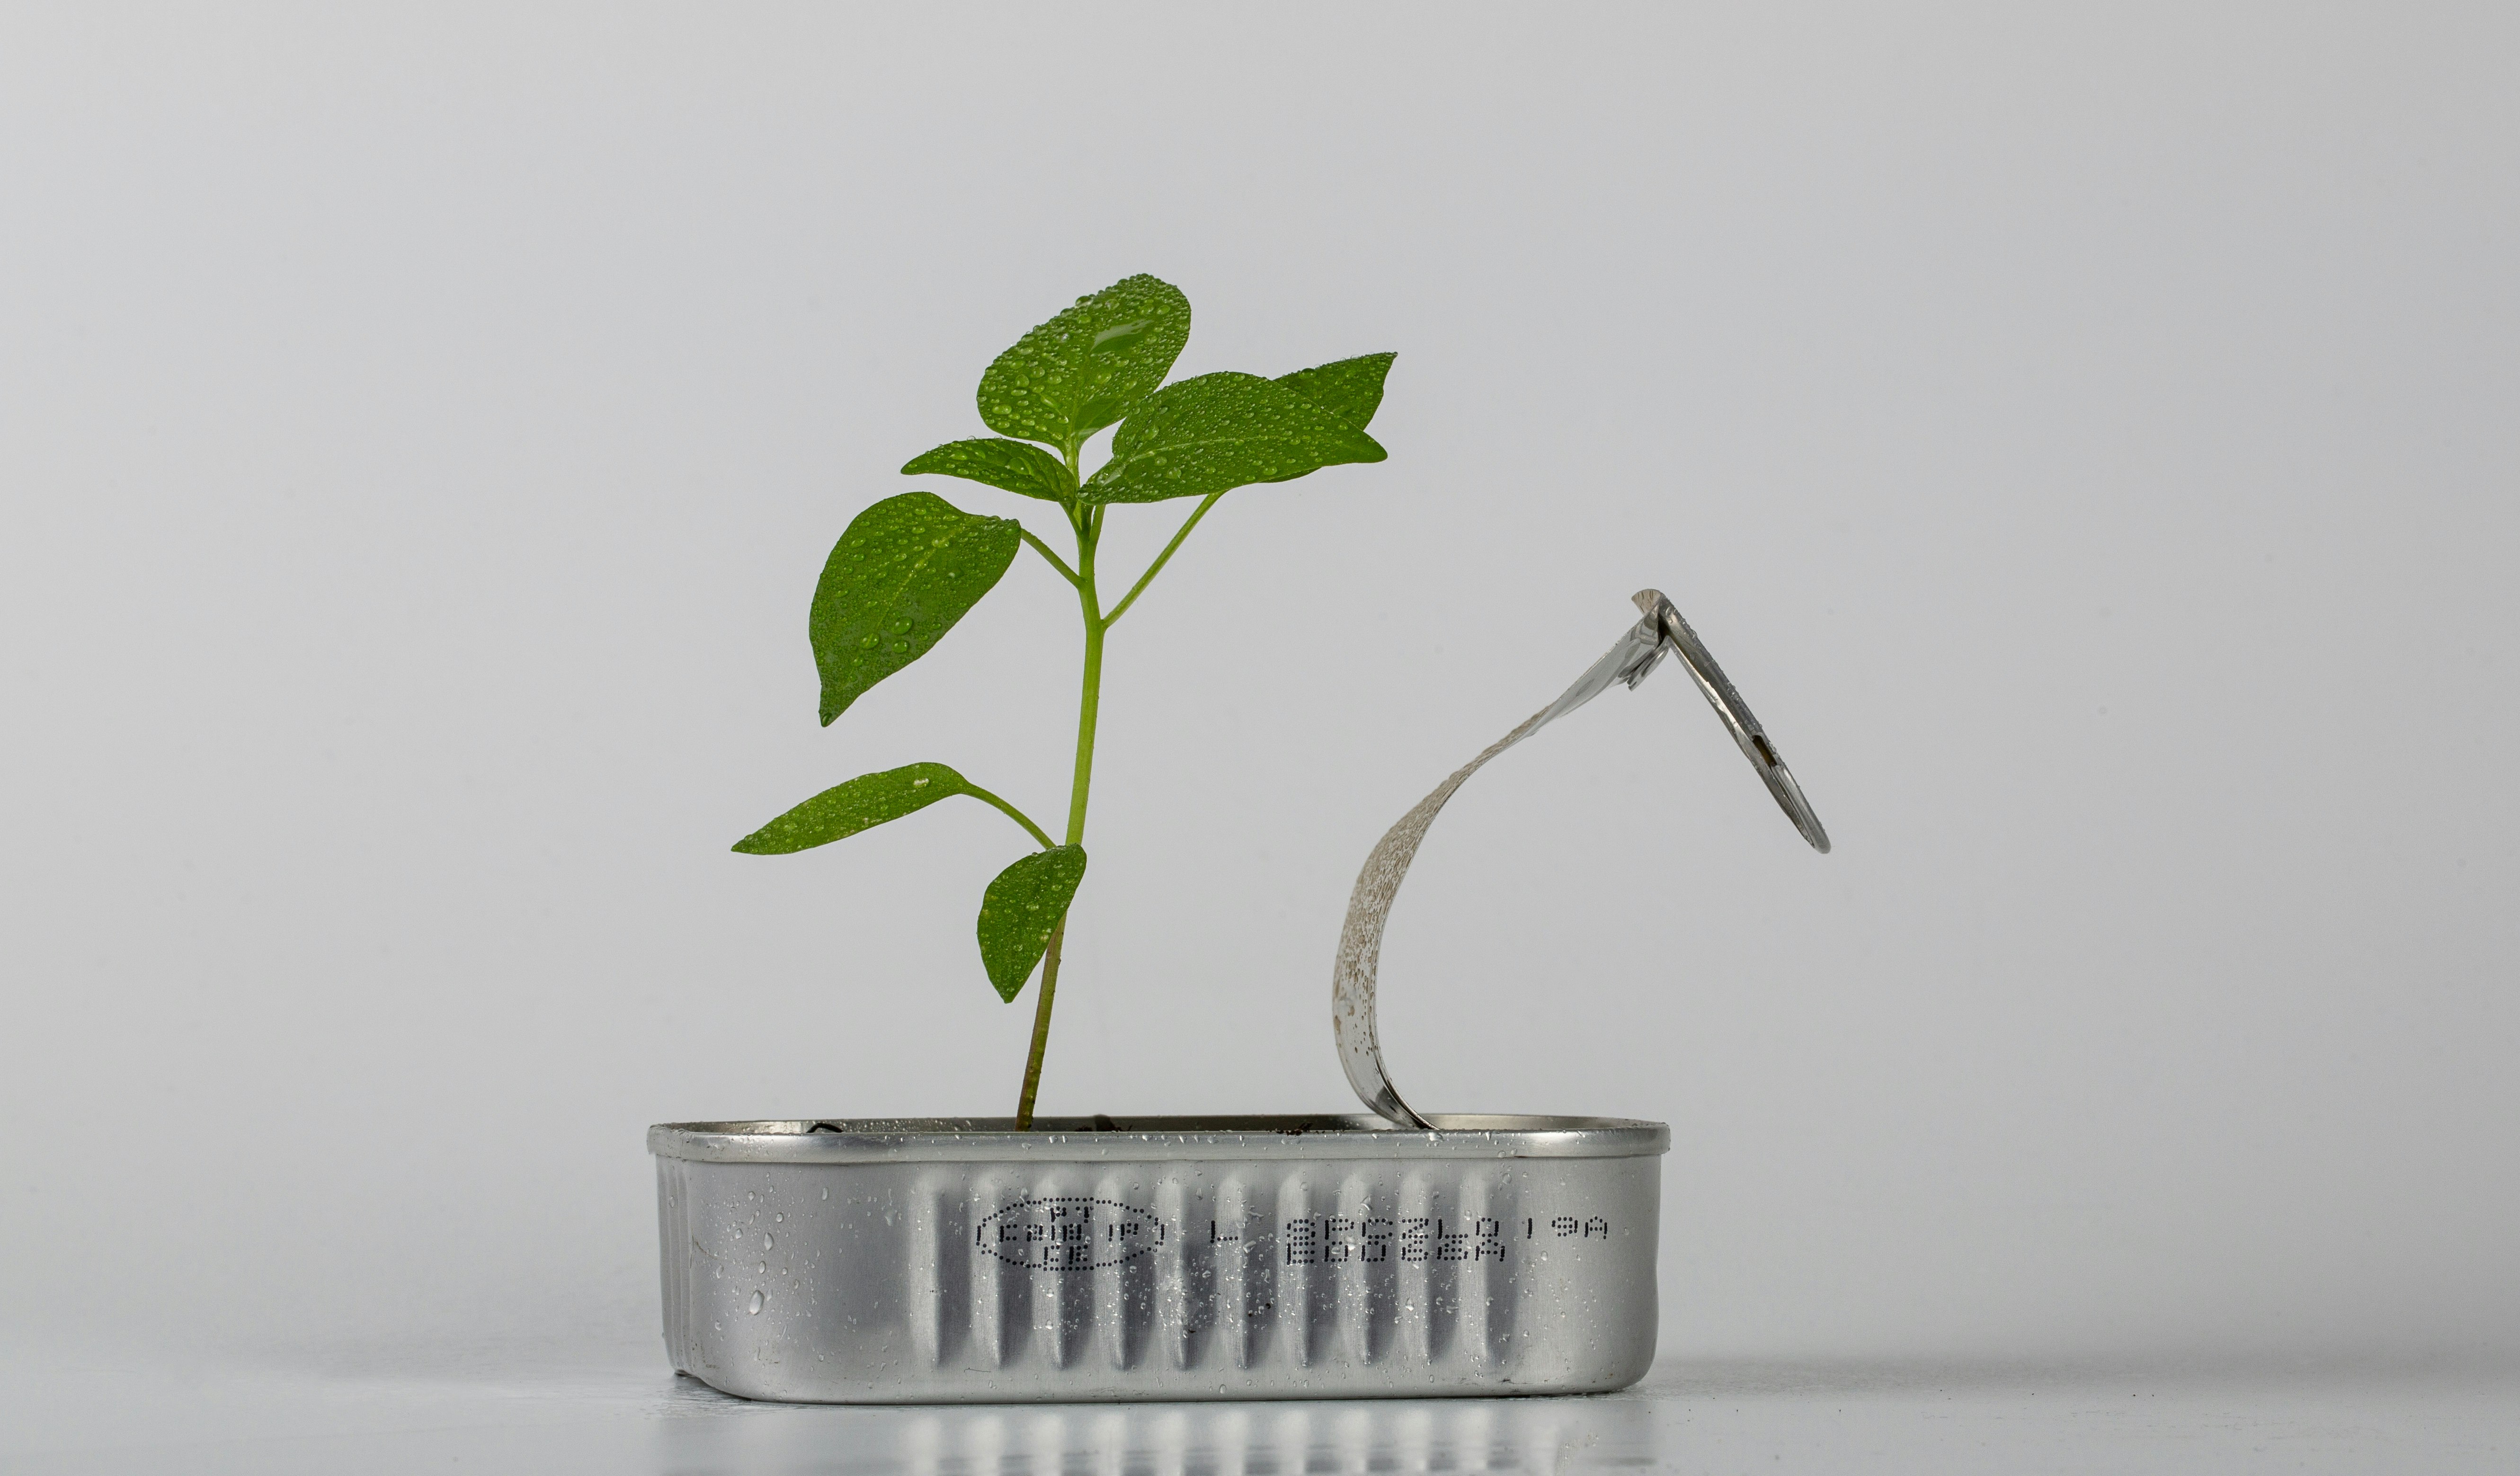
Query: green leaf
1012, 465
1087, 367
863, 803
1350, 389
904, 572
1222, 431
1020, 912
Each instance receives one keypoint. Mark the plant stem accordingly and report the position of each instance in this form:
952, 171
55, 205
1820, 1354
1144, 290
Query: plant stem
1045, 550
1089, 702
1157, 567
1089, 532
1088, 522
1011, 812
1040, 1027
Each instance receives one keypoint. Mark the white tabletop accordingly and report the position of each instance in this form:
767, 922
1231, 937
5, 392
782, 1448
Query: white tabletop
616, 1409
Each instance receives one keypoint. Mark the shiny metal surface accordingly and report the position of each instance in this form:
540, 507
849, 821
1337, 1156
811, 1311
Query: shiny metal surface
1255, 1258
1355, 973
1736, 714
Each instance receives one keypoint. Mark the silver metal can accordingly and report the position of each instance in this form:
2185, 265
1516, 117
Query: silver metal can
925, 1260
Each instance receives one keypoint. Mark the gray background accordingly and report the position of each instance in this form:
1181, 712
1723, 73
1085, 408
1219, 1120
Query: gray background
2087, 437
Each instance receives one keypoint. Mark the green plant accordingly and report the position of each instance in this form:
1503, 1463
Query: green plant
911, 565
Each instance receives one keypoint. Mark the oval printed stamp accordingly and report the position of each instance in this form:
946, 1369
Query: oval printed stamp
1070, 1232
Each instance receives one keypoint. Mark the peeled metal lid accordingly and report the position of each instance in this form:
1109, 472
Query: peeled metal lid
1641, 649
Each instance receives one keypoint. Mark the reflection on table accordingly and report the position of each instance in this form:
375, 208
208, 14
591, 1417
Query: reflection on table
1224, 1439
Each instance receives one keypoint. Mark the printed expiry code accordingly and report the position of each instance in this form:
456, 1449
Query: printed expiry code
1337, 1240
1084, 1233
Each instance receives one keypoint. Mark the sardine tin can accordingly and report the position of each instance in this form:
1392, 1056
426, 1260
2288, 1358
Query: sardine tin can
932, 1260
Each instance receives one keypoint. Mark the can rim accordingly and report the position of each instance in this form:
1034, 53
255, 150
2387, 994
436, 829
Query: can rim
1145, 1139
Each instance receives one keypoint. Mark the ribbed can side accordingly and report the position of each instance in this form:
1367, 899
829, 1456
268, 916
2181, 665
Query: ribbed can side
1153, 1279
674, 1241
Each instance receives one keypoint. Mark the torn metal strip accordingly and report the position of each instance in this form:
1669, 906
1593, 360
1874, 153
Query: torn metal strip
1639, 649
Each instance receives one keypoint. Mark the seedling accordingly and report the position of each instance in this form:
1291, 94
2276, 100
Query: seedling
911, 567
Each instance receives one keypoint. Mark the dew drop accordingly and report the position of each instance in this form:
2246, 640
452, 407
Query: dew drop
756, 1304
767, 1242
779, 1218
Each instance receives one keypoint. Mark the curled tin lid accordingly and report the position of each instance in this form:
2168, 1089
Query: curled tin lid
1639, 649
